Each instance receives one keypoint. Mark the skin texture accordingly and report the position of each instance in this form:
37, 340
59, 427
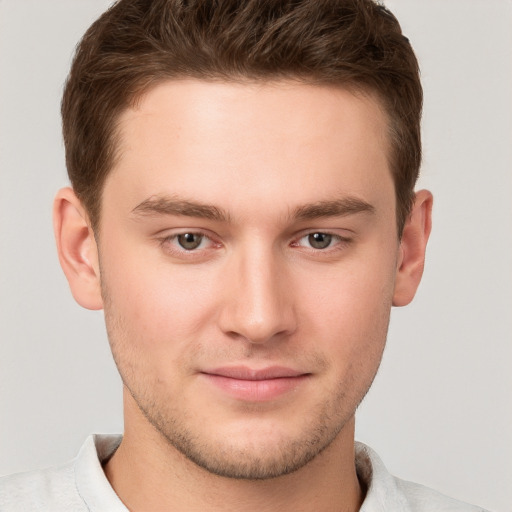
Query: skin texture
251, 172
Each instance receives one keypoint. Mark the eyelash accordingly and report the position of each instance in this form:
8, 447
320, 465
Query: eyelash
167, 243
338, 243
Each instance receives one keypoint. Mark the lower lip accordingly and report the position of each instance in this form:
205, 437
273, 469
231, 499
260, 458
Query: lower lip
255, 390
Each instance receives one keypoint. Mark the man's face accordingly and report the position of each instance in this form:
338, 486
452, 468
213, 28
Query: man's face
248, 254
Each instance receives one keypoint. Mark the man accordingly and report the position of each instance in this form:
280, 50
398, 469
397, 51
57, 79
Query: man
243, 209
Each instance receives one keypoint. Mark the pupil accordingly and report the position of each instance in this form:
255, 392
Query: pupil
320, 240
190, 240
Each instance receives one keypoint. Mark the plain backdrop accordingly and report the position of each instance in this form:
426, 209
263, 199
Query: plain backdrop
440, 409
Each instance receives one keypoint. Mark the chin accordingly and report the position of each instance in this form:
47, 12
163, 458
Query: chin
255, 461
255, 449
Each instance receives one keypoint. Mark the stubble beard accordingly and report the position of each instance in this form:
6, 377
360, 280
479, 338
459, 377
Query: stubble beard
249, 462
220, 456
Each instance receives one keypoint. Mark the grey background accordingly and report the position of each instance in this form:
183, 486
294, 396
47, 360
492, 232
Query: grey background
440, 409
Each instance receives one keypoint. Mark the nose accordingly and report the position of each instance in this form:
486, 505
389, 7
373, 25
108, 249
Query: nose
258, 305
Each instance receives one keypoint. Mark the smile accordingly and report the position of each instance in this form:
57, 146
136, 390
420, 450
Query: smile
253, 385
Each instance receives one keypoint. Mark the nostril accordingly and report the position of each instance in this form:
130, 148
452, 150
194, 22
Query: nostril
257, 306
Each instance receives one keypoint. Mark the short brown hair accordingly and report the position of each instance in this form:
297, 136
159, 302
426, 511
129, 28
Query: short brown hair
136, 43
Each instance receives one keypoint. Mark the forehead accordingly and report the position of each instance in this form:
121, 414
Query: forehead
278, 141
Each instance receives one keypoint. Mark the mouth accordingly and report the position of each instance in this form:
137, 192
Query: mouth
255, 385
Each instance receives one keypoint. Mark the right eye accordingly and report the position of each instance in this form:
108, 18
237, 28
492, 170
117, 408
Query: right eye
188, 244
190, 241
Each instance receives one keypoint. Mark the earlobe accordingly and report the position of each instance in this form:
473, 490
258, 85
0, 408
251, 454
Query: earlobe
77, 250
412, 249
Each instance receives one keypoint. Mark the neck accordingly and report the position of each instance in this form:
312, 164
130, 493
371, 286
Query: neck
149, 474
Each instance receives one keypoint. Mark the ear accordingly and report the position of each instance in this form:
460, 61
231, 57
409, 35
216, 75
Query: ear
412, 249
76, 246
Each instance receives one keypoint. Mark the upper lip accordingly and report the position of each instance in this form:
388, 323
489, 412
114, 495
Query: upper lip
246, 373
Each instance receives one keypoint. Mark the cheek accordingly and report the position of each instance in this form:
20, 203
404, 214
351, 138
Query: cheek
350, 294
347, 310
156, 302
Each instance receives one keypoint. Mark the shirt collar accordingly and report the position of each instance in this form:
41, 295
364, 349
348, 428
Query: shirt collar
382, 493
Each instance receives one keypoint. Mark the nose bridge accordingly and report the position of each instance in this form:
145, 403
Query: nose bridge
260, 305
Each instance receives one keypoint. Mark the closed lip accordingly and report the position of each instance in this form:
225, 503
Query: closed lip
255, 384
253, 374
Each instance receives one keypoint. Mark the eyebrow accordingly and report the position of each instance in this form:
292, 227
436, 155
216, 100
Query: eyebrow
336, 208
173, 206
164, 205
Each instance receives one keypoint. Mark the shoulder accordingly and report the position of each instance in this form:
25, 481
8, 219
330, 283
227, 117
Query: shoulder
386, 492
78, 486
423, 499
47, 489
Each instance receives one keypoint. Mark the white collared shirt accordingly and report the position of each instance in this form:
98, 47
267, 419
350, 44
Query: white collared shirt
81, 486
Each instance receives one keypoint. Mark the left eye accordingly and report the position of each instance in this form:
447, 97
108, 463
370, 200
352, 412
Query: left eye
320, 240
